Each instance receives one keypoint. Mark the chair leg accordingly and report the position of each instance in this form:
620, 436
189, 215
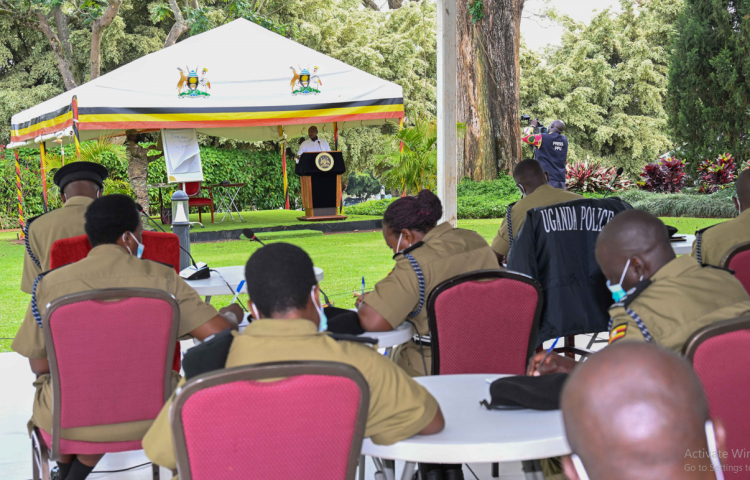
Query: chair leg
212, 212
570, 341
39, 457
495, 470
155, 471
200, 218
362, 460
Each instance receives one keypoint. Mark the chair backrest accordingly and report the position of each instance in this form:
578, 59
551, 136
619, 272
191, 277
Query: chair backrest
159, 247
191, 189
110, 353
738, 260
484, 322
68, 250
720, 354
162, 247
308, 422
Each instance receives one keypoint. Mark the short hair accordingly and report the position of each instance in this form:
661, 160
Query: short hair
279, 278
108, 217
420, 212
528, 168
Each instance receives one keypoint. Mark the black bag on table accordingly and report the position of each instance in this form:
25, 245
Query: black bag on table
517, 392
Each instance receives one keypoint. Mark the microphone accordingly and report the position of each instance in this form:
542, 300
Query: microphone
320, 147
609, 189
198, 271
251, 236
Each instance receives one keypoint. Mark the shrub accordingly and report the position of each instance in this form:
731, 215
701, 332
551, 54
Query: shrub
370, 207
664, 176
714, 175
716, 205
585, 177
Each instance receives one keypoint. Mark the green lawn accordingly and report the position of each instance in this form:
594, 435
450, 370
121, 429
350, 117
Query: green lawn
257, 219
344, 257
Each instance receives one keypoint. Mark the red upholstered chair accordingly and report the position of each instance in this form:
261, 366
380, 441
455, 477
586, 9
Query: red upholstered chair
720, 354
738, 260
121, 375
229, 424
192, 190
158, 246
492, 314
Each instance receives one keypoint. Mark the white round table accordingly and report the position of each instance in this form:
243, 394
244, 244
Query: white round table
233, 276
474, 434
684, 247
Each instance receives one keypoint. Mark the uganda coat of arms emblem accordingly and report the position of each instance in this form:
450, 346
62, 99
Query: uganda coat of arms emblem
304, 82
324, 161
193, 85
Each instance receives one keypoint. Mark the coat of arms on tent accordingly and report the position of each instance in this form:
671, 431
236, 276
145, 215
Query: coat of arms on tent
192, 85
304, 83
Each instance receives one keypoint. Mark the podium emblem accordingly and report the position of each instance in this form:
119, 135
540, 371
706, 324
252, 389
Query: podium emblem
324, 162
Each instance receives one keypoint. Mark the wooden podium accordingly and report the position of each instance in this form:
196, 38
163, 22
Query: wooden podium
320, 177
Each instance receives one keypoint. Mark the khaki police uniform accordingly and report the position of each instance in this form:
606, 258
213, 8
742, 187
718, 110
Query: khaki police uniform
106, 266
45, 230
443, 253
717, 240
681, 298
399, 406
543, 196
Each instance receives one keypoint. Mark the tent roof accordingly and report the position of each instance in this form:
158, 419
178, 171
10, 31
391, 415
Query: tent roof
250, 76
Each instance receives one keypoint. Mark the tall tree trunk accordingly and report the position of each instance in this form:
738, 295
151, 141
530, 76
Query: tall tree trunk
63, 31
63, 63
488, 79
180, 25
371, 5
394, 4
113, 6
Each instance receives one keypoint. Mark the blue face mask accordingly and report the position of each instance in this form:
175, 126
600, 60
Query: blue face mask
323, 326
618, 293
139, 252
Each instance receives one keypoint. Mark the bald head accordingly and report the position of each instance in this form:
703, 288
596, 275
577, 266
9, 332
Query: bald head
743, 189
632, 410
530, 175
557, 126
81, 188
635, 236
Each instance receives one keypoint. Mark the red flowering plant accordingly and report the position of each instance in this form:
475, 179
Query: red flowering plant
664, 176
713, 175
585, 177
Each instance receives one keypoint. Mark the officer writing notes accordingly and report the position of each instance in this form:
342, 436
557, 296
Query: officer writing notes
313, 143
80, 183
659, 298
285, 298
533, 182
552, 151
712, 243
114, 228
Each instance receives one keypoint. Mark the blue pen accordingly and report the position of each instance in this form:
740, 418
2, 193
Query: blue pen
363, 287
239, 288
549, 350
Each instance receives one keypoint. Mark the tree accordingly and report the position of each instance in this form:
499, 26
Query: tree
362, 185
488, 82
709, 77
608, 83
416, 167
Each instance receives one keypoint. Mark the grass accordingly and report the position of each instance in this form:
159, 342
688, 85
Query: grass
257, 219
344, 257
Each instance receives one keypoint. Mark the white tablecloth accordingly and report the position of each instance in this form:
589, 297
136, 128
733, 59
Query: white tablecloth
233, 276
685, 247
474, 434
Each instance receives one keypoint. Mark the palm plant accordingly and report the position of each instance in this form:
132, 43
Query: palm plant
415, 168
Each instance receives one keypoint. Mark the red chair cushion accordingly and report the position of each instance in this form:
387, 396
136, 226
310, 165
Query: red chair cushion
191, 188
721, 364
490, 319
200, 202
740, 264
69, 250
162, 247
300, 427
91, 448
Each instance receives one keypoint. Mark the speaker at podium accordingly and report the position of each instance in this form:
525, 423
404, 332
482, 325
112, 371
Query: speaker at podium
320, 177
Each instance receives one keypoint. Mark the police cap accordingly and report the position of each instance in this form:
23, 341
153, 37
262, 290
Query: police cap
80, 171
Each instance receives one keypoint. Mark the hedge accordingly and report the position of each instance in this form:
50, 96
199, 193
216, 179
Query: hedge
261, 170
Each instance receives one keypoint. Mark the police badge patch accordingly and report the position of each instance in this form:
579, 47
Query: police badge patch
324, 162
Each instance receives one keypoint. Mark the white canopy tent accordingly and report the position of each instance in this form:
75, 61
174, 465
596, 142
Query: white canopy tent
237, 81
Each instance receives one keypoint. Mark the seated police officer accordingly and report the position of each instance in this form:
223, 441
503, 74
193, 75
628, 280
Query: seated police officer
114, 228
80, 183
533, 182
659, 298
635, 410
712, 243
285, 297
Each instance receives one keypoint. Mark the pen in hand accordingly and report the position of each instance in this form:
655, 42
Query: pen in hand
549, 350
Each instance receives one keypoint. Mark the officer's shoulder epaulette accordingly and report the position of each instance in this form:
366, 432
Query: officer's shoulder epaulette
345, 337
705, 265
31, 220
635, 291
409, 249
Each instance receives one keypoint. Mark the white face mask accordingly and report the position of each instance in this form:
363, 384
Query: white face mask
713, 451
139, 252
399, 243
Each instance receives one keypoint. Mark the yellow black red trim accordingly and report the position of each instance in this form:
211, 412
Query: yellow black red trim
617, 333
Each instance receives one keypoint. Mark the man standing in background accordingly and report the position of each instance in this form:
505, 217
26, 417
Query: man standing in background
551, 150
313, 144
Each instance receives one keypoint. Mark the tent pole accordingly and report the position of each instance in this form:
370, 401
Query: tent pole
283, 166
76, 137
447, 116
43, 173
20, 195
400, 126
336, 136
